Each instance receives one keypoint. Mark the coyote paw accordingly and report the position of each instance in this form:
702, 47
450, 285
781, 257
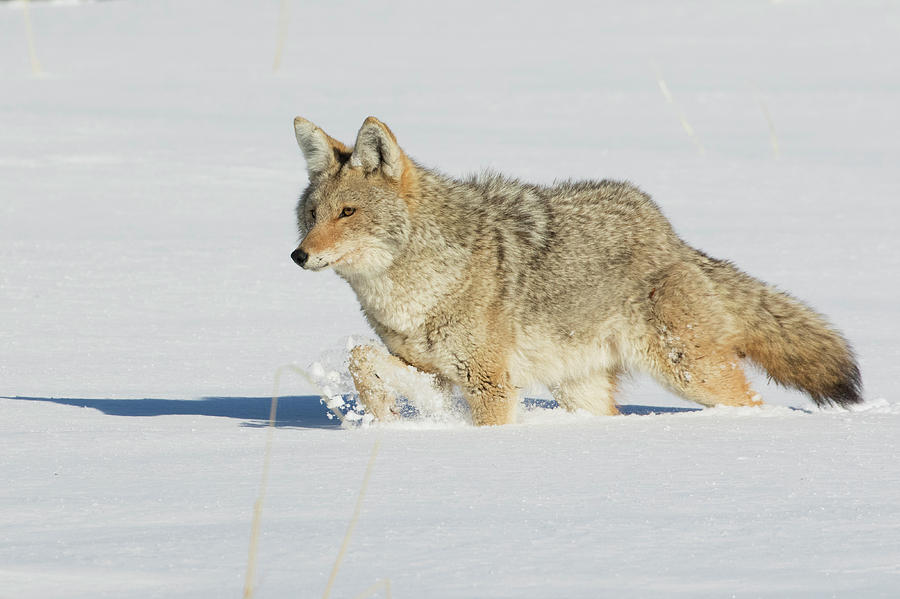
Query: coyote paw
375, 396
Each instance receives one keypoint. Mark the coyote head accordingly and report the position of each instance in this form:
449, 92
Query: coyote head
353, 216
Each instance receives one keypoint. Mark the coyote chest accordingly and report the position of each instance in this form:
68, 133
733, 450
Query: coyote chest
404, 318
393, 306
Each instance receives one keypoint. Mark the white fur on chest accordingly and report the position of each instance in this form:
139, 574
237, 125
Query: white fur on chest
394, 306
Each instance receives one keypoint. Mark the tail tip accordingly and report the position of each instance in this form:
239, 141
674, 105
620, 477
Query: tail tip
845, 392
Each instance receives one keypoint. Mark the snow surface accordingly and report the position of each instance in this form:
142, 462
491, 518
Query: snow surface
148, 175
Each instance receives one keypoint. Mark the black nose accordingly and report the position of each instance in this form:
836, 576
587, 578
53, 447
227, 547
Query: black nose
299, 256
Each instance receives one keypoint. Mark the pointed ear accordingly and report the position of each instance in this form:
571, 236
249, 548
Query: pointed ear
320, 150
376, 149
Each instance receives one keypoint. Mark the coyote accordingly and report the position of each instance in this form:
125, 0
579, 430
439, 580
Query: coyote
491, 285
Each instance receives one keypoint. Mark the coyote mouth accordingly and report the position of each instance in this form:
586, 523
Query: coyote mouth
347, 258
316, 264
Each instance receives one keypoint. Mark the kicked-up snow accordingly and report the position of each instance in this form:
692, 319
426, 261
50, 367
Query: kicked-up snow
148, 176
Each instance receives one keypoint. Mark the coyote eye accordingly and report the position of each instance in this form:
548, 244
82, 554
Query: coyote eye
347, 211
312, 214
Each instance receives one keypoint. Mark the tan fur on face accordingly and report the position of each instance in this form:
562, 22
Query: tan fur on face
323, 237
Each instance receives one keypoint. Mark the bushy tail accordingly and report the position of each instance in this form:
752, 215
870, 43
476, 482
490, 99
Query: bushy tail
790, 340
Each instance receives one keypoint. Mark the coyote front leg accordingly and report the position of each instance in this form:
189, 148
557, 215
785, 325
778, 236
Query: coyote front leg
369, 366
380, 377
488, 391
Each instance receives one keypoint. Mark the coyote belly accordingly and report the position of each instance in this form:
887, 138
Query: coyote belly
491, 284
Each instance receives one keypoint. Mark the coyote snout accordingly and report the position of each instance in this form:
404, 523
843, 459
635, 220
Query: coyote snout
299, 257
310, 260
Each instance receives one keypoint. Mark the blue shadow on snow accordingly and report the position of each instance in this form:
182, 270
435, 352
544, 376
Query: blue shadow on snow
301, 411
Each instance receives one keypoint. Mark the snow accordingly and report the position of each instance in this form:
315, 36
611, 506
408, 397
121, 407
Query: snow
148, 176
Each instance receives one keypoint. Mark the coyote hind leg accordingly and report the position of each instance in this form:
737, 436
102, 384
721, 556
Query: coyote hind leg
692, 344
716, 378
593, 393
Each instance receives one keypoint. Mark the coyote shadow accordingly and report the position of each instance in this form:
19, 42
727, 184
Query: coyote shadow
293, 411
301, 411
533, 403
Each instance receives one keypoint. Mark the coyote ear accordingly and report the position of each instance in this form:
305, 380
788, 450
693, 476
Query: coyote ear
320, 150
376, 149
